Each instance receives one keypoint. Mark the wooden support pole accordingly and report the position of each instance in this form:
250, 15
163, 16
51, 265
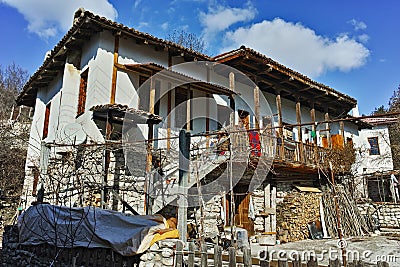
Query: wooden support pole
232, 257
114, 73
257, 106
204, 255
188, 108
149, 158
191, 254
299, 130
267, 206
208, 96
232, 99
217, 256
169, 109
179, 254
314, 132
328, 130
341, 124
280, 124
247, 261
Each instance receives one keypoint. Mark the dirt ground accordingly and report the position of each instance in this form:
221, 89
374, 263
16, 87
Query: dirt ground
369, 249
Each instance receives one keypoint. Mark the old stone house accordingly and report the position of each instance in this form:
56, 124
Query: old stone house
110, 102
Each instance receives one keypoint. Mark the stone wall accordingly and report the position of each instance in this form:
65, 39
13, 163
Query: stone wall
388, 214
14, 254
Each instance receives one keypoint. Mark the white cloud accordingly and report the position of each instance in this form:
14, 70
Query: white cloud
358, 25
299, 47
137, 3
47, 17
220, 18
164, 26
363, 38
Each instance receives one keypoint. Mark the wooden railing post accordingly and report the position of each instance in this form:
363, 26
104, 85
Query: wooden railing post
247, 257
312, 262
232, 257
334, 262
179, 254
264, 259
297, 261
217, 256
191, 255
204, 256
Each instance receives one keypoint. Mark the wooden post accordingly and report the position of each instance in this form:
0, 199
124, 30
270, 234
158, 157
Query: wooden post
297, 260
300, 134
149, 158
314, 130
232, 99
169, 94
267, 206
264, 259
312, 262
283, 263
257, 107
191, 255
280, 124
114, 73
188, 108
247, 257
334, 262
341, 124
382, 264
273, 206
208, 96
184, 156
204, 256
232, 257
327, 128
179, 254
217, 256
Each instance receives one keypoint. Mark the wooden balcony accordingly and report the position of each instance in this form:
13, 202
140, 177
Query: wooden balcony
288, 152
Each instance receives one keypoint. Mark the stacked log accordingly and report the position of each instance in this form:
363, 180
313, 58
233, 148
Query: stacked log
352, 222
294, 213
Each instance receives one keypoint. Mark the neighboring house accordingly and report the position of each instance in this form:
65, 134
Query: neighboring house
87, 99
374, 162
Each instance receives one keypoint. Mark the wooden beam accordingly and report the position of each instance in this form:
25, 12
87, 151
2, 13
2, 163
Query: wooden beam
257, 106
169, 95
327, 128
299, 130
114, 73
280, 124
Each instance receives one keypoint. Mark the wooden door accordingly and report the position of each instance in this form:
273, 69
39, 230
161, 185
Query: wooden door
242, 214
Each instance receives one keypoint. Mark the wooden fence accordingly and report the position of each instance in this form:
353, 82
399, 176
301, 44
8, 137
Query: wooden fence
203, 258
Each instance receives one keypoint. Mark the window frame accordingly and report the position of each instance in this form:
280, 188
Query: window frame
82, 93
374, 146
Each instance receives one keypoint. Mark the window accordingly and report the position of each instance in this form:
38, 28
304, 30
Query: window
82, 93
144, 93
181, 97
46, 121
373, 142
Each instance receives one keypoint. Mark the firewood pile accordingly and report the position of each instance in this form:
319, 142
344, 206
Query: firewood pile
353, 223
297, 210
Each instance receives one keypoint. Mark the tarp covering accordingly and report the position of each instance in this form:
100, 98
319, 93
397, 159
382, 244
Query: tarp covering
88, 227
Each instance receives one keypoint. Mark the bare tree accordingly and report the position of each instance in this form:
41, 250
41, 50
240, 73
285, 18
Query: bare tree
186, 39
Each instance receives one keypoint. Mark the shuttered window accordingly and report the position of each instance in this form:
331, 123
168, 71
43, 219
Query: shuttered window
82, 93
46, 121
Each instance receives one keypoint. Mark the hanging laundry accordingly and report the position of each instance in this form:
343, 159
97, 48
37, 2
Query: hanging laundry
255, 144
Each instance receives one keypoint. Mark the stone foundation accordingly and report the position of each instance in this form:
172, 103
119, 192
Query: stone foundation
388, 214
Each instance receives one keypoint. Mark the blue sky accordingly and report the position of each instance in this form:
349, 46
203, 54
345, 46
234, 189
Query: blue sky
351, 46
